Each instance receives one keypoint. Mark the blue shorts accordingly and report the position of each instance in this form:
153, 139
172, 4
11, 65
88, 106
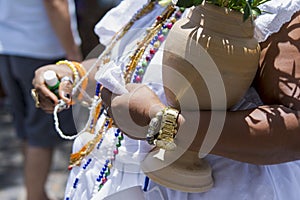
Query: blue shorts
32, 124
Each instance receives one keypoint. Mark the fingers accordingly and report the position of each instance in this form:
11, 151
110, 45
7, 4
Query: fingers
106, 96
46, 98
40, 86
65, 90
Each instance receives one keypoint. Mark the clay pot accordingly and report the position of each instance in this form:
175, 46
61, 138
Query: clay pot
188, 173
210, 60
211, 55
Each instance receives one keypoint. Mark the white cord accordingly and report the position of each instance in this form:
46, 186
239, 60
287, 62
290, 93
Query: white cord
62, 105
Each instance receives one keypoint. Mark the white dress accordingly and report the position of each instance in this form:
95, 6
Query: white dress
232, 179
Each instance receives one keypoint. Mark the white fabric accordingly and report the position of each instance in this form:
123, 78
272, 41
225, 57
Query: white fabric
116, 18
111, 77
131, 151
26, 31
123, 176
233, 180
277, 12
133, 193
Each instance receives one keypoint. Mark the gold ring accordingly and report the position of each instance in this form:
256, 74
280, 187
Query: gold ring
35, 97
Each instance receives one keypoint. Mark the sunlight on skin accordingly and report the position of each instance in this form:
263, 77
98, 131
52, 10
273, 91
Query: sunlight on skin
258, 125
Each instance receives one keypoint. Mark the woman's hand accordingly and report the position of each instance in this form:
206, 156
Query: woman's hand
132, 111
47, 99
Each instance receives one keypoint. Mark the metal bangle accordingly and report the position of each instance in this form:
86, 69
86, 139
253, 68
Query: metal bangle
168, 129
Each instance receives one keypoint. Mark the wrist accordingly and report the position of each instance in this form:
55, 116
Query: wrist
154, 109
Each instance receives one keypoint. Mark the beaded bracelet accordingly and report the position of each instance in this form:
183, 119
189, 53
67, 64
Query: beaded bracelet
82, 73
72, 67
163, 128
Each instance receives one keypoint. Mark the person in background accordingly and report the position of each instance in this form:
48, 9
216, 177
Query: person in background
34, 33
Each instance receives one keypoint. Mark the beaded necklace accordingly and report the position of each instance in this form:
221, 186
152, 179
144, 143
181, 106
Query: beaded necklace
139, 52
153, 34
105, 56
134, 72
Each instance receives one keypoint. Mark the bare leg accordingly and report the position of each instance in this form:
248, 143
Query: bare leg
37, 166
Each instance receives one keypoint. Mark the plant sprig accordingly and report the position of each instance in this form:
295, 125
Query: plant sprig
249, 8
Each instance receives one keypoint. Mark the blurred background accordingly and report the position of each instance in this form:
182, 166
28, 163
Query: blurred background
89, 12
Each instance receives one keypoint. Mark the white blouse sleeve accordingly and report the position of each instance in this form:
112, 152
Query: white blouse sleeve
275, 14
116, 18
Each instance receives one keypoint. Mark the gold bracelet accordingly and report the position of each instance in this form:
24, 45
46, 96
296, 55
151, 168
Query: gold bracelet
168, 129
72, 67
82, 73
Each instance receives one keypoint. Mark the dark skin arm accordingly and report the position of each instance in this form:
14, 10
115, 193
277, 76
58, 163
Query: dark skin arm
268, 134
265, 135
271, 133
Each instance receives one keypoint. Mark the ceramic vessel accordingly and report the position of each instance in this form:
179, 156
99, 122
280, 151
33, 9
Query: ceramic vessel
210, 60
211, 54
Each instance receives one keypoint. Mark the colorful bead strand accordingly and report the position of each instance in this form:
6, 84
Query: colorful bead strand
135, 71
154, 46
76, 181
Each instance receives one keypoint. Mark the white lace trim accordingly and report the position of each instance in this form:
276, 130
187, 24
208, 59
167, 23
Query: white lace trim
277, 13
116, 18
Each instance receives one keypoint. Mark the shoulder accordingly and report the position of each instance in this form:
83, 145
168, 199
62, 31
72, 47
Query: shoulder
278, 77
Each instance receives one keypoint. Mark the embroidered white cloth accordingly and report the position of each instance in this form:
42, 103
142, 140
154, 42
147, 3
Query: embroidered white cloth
233, 180
277, 12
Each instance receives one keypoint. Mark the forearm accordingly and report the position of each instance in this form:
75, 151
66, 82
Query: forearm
59, 16
91, 67
265, 135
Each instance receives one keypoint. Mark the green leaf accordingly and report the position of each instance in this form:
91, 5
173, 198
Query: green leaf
197, 2
188, 3
247, 7
247, 12
256, 12
262, 2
